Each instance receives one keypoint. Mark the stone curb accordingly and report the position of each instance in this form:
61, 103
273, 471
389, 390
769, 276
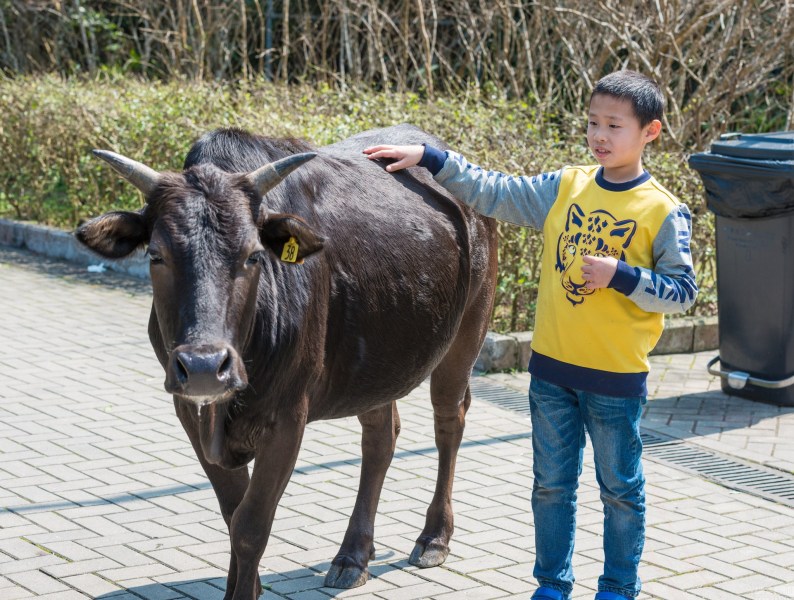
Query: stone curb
57, 243
499, 352
502, 352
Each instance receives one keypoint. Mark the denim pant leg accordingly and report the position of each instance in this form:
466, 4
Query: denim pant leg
614, 427
557, 444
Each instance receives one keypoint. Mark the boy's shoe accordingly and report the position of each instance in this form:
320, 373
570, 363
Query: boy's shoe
610, 596
547, 593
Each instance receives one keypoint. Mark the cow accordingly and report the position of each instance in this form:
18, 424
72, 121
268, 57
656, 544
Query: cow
284, 296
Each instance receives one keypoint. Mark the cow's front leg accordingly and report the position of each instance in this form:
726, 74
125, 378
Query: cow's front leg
380, 428
276, 453
229, 485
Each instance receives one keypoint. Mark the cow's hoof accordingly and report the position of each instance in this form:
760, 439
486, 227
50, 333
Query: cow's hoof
428, 554
344, 574
258, 590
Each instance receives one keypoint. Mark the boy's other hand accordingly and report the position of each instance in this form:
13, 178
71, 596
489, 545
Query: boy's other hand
405, 156
598, 271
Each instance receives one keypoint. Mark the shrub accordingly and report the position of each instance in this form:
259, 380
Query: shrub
48, 127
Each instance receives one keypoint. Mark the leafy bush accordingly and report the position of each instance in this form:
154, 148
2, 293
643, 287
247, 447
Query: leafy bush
48, 127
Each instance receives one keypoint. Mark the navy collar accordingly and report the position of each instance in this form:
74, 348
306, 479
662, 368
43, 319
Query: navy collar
620, 187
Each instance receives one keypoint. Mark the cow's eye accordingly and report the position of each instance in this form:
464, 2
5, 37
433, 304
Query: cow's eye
254, 257
155, 257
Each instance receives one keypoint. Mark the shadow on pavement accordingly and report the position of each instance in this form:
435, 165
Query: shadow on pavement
196, 589
134, 496
65, 270
712, 412
283, 584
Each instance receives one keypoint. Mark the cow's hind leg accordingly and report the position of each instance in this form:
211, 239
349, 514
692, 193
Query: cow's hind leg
380, 428
449, 392
450, 404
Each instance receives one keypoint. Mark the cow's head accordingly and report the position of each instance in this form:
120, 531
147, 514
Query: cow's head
209, 237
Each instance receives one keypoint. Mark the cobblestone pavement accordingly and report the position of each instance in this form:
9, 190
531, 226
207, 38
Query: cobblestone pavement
103, 498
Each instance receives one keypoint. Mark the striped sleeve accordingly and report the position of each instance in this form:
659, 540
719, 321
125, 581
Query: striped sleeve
519, 200
670, 286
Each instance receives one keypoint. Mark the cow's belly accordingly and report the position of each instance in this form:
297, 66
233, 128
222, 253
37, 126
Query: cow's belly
385, 363
363, 395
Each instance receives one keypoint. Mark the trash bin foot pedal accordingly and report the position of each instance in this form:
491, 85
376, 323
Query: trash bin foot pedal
739, 379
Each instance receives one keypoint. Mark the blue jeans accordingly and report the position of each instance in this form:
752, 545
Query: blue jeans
559, 418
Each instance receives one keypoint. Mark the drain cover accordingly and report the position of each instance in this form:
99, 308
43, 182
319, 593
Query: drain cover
499, 395
727, 471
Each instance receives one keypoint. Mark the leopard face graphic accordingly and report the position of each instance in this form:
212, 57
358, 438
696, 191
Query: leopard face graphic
596, 234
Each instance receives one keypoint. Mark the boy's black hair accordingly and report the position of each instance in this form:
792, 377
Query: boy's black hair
643, 93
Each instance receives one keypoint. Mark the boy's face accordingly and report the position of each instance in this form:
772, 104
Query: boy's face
615, 137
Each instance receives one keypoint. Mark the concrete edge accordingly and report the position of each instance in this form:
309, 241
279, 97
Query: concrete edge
57, 243
499, 352
682, 335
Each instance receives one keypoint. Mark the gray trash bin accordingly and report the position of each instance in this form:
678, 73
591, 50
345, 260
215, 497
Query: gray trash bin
749, 181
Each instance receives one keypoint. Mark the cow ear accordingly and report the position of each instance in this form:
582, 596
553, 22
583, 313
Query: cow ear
279, 228
115, 234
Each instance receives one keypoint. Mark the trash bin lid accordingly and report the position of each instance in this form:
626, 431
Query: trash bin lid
748, 175
778, 145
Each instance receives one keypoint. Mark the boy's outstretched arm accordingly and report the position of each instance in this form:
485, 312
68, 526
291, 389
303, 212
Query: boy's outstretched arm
519, 200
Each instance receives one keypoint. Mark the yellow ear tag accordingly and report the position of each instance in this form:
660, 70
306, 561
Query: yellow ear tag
290, 252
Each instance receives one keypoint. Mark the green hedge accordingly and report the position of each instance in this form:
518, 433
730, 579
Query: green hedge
48, 127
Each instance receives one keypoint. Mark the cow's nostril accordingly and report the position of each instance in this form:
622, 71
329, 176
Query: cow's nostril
181, 369
225, 366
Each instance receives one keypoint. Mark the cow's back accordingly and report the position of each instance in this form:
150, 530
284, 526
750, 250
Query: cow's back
405, 260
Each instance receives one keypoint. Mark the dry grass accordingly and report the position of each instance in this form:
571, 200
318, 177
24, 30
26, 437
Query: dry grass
722, 63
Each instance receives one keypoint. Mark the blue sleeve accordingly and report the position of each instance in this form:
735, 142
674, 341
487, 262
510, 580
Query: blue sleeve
625, 279
433, 159
519, 200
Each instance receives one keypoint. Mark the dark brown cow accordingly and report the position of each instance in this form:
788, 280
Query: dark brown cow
396, 285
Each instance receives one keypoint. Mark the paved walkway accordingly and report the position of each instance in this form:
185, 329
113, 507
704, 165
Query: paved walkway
103, 498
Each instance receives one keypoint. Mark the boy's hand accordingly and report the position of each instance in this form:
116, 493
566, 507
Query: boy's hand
598, 271
406, 156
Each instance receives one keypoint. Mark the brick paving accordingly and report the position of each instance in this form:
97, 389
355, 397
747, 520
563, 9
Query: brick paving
103, 498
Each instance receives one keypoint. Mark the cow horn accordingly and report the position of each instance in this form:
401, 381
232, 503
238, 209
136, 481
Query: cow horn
267, 177
142, 177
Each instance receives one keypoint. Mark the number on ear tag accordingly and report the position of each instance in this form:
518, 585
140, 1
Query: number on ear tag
290, 252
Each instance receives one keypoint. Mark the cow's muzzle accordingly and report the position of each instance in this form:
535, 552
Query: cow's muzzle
207, 371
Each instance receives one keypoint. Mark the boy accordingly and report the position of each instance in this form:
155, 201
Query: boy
616, 256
